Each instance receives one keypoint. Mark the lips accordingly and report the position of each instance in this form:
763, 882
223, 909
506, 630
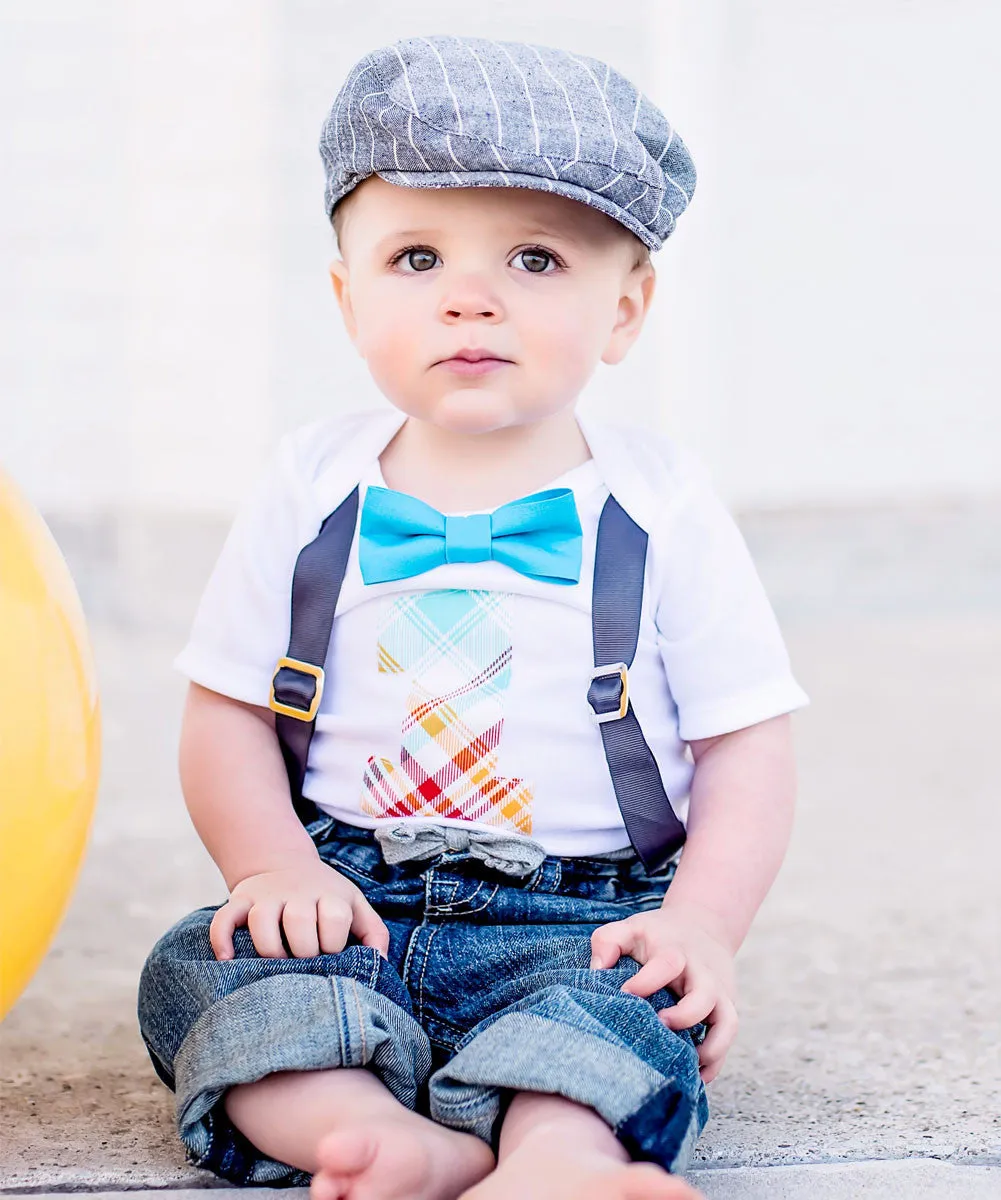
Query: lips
474, 356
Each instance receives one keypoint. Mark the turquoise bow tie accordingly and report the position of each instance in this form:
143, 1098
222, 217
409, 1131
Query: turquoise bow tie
539, 535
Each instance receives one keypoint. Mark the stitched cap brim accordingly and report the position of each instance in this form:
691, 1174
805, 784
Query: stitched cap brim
538, 183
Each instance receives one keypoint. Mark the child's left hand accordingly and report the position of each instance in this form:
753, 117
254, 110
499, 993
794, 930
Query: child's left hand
679, 948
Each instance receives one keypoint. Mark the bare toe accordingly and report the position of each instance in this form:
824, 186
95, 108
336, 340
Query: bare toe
346, 1151
644, 1181
529, 1174
324, 1187
403, 1158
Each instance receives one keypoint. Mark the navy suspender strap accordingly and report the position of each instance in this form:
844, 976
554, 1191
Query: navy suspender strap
297, 684
616, 604
620, 557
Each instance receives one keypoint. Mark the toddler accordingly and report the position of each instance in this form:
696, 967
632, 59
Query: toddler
487, 728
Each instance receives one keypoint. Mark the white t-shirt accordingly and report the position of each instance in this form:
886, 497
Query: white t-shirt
460, 694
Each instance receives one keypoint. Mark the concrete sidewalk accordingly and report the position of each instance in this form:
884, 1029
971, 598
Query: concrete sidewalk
870, 982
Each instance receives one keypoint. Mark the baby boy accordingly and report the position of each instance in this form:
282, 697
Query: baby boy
488, 724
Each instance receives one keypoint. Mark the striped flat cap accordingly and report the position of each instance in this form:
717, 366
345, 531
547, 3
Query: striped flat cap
447, 111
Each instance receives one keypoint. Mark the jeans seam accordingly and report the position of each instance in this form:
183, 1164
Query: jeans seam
199, 1160
361, 1021
456, 1029
460, 1106
409, 953
342, 1030
424, 966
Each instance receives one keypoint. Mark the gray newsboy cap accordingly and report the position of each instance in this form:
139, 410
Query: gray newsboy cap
469, 112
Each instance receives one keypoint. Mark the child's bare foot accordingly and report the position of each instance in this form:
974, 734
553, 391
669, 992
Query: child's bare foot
548, 1166
401, 1157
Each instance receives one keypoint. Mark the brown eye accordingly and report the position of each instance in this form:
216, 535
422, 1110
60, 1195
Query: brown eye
419, 260
535, 261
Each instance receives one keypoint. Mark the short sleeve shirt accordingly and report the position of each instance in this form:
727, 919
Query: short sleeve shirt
460, 694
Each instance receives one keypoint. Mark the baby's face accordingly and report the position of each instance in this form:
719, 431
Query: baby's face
546, 284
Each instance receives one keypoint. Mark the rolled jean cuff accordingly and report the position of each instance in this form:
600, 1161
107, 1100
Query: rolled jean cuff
657, 1117
287, 1022
665, 1127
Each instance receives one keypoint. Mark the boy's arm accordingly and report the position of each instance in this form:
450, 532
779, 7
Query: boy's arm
236, 788
740, 819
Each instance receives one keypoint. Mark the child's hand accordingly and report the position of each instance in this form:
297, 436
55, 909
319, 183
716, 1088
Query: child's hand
315, 905
679, 949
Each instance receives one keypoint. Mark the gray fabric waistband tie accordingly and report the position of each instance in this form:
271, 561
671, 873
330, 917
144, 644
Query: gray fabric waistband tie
512, 853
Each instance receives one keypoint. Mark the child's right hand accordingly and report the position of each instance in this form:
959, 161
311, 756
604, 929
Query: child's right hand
315, 905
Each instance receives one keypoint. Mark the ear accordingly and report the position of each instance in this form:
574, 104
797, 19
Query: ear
340, 279
634, 303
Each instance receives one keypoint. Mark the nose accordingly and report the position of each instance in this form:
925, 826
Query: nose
470, 296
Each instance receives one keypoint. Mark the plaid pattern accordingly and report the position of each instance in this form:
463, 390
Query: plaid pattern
456, 647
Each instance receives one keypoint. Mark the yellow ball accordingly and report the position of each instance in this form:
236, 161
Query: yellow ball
50, 740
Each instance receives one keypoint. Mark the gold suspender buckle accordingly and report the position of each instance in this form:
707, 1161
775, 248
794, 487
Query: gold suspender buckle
622, 670
304, 668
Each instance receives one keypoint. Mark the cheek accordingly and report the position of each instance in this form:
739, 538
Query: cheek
388, 331
564, 335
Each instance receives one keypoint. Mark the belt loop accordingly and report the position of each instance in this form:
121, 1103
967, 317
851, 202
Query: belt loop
548, 876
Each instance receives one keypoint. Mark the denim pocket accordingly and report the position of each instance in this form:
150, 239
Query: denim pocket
625, 882
354, 852
319, 829
353, 856
639, 882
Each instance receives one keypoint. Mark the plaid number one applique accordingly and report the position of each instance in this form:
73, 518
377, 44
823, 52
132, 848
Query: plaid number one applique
456, 647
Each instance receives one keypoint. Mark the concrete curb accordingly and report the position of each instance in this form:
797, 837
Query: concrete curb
908, 1179
911, 1179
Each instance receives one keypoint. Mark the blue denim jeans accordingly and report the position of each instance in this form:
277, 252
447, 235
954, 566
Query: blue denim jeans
487, 991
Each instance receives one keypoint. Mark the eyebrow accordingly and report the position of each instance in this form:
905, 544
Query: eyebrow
541, 231
537, 231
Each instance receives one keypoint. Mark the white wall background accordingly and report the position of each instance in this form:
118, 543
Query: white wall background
825, 329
